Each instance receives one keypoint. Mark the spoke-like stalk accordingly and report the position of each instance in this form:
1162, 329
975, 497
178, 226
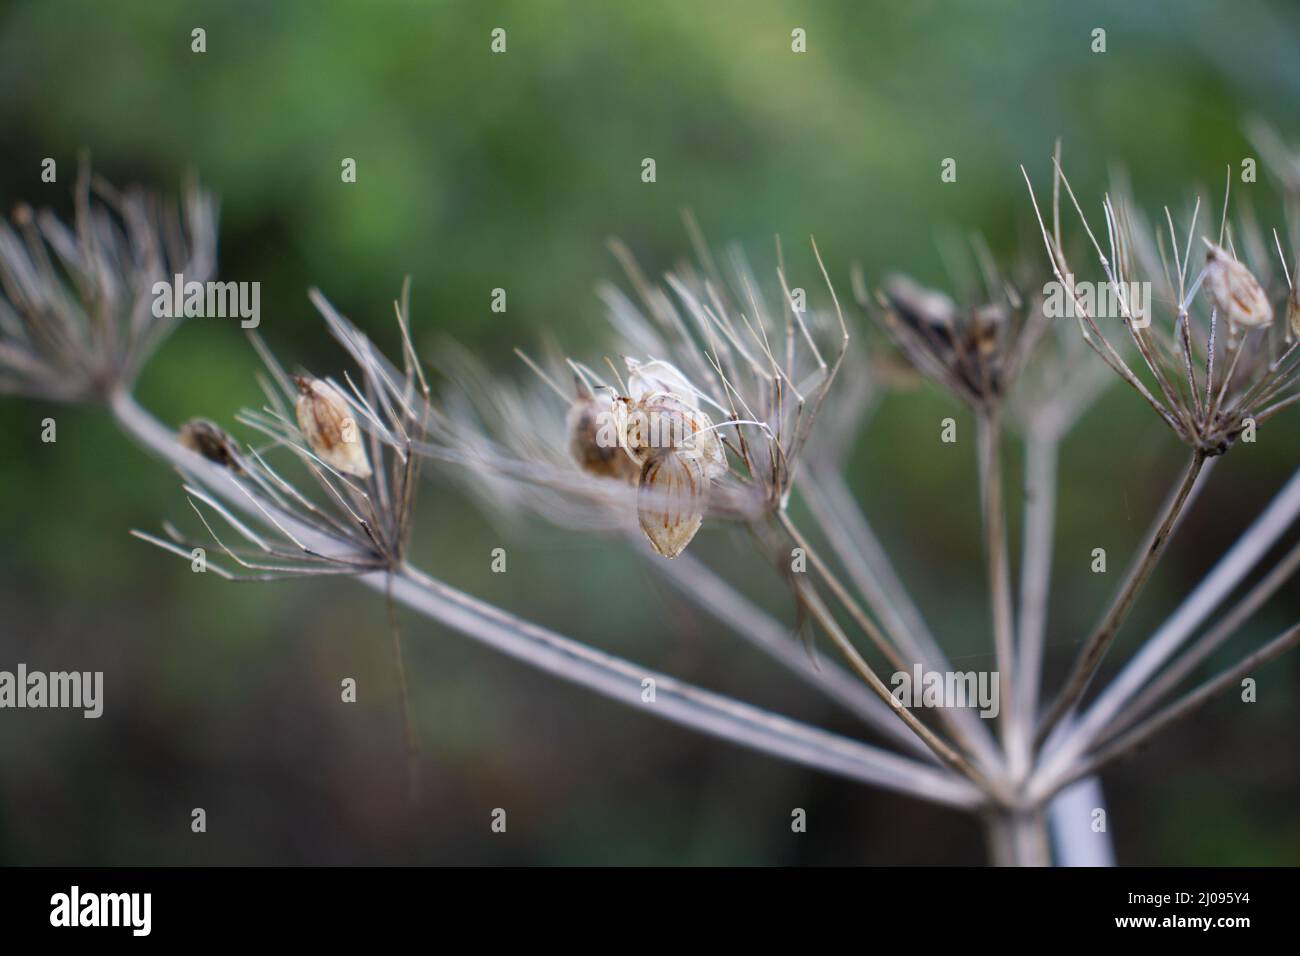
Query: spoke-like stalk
713, 595
1126, 743
1223, 578
999, 573
841, 593
1095, 648
1041, 450
1206, 645
864, 558
606, 674
822, 615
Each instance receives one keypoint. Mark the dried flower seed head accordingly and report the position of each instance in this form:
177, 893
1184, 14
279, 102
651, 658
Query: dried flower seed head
212, 442
1234, 291
593, 439
673, 493
974, 351
329, 427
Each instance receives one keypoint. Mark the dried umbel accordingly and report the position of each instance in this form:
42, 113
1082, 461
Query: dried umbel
1234, 291
360, 520
1207, 386
76, 321
328, 425
212, 442
974, 351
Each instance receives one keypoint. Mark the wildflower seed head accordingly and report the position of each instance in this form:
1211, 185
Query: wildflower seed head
77, 317
329, 427
1234, 291
973, 351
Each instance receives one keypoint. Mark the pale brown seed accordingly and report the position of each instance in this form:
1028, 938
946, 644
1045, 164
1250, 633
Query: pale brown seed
1234, 292
672, 495
210, 441
594, 440
327, 423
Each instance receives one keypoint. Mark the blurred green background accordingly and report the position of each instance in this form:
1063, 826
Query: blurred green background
478, 171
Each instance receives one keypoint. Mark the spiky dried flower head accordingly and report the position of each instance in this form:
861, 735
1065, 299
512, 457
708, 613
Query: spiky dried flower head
1208, 387
975, 351
1234, 290
712, 403
328, 426
359, 447
76, 315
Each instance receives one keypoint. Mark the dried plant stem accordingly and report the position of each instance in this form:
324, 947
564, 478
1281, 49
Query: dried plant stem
720, 600
606, 674
995, 547
1041, 451
408, 728
867, 563
1127, 742
1018, 837
822, 615
1248, 550
1096, 646
1210, 641
860, 617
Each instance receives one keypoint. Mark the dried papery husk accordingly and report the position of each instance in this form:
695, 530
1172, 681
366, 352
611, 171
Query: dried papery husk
329, 427
211, 441
594, 442
647, 378
672, 496
1234, 291
662, 422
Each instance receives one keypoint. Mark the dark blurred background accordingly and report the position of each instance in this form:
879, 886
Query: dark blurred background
478, 171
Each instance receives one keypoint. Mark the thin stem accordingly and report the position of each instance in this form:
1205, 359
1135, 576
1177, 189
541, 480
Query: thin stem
1210, 641
606, 674
1202, 695
1095, 648
1041, 452
822, 615
995, 548
845, 526
408, 729
713, 595
1248, 550
860, 617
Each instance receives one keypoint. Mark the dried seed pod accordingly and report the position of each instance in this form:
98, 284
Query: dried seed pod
646, 378
928, 311
672, 495
1234, 291
662, 422
212, 442
326, 422
594, 439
